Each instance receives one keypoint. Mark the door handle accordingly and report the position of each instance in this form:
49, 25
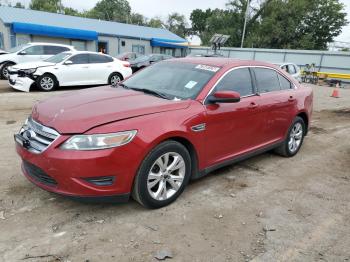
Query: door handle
253, 105
85, 67
291, 99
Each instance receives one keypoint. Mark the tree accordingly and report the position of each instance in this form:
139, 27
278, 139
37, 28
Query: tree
298, 24
302, 24
156, 22
52, 6
177, 24
111, 10
19, 5
138, 19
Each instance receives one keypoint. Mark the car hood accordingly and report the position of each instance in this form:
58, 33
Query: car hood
78, 111
31, 65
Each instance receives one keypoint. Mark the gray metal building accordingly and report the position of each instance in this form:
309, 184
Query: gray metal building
19, 26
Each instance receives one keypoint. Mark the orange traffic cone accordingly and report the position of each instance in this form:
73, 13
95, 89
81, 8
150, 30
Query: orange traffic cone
335, 92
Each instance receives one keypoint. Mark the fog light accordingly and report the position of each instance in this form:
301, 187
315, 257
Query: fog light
101, 181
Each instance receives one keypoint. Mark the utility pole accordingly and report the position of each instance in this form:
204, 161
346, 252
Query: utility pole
245, 23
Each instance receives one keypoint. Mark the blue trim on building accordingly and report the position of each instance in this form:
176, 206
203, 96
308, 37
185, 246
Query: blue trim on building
53, 31
168, 43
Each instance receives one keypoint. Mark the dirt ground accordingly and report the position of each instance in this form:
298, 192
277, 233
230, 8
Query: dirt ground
267, 208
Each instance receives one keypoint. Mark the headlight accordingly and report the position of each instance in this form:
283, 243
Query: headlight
98, 141
29, 71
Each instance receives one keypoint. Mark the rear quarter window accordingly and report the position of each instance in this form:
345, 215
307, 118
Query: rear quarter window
266, 80
285, 83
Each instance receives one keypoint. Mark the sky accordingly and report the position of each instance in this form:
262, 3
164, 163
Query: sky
151, 8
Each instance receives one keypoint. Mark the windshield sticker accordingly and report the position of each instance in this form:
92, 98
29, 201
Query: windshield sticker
208, 68
190, 84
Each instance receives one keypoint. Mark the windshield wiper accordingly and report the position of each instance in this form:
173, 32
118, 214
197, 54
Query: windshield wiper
147, 91
153, 92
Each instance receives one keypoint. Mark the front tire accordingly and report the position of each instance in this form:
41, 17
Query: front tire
47, 83
4, 70
294, 140
163, 175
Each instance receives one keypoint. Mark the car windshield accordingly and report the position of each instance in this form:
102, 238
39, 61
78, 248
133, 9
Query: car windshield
58, 58
176, 80
17, 48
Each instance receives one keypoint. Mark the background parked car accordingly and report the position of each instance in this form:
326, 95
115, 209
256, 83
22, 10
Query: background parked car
29, 53
205, 55
128, 56
292, 69
69, 69
146, 60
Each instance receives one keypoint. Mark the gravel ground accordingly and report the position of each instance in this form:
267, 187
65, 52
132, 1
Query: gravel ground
267, 208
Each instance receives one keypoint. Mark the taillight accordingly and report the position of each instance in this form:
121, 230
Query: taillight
126, 64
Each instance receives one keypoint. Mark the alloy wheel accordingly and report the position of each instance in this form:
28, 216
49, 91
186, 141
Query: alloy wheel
115, 79
295, 137
166, 176
47, 83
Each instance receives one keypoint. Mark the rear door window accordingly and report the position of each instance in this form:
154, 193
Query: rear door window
285, 83
35, 50
238, 80
54, 50
99, 59
266, 80
80, 59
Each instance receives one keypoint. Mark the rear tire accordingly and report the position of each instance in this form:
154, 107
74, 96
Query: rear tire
4, 70
294, 139
163, 175
47, 82
114, 79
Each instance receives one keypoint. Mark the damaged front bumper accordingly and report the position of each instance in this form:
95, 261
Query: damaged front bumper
20, 83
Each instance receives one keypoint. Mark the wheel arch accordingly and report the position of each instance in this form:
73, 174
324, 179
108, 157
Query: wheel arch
303, 115
116, 72
8, 61
186, 142
47, 73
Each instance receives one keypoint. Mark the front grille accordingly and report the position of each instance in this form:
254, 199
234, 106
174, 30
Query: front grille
38, 174
37, 136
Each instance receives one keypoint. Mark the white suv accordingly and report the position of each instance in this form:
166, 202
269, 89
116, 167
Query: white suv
29, 53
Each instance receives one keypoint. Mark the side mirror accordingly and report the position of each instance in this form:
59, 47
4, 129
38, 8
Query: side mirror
22, 53
225, 97
68, 62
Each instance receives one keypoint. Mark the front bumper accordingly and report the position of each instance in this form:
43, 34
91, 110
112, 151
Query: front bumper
20, 83
67, 172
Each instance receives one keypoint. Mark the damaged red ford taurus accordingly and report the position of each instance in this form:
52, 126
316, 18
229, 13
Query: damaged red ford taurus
174, 121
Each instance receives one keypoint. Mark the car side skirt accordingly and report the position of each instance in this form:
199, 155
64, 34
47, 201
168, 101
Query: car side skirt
236, 159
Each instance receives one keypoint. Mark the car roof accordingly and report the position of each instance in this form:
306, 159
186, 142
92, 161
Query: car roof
75, 52
52, 44
221, 61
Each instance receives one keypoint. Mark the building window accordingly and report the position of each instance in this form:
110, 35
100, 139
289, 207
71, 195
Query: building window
123, 43
140, 49
79, 45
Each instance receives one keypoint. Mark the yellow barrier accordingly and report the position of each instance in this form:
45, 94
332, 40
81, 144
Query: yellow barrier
333, 75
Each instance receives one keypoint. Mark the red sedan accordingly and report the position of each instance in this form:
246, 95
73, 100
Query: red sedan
174, 121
